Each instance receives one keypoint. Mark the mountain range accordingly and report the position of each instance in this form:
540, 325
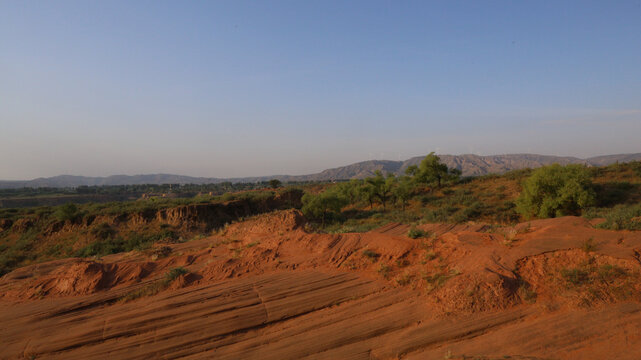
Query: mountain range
469, 164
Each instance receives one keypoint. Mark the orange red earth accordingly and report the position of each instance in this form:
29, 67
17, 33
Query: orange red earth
266, 289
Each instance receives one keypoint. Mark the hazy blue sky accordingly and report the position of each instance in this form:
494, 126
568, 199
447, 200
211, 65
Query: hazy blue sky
234, 88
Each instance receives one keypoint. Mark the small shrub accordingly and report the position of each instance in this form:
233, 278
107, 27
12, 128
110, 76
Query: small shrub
384, 270
161, 252
526, 293
174, 273
415, 233
429, 255
623, 218
103, 231
372, 255
589, 245
575, 276
404, 279
68, 211
437, 280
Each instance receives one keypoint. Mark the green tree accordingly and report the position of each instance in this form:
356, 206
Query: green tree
68, 211
556, 190
275, 183
381, 187
411, 170
367, 192
432, 171
350, 190
403, 190
320, 206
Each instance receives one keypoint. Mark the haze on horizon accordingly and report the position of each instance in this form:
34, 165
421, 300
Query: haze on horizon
236, 88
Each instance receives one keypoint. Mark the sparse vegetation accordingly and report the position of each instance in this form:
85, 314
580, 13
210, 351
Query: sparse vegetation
372, 255
575, 276
438, 279
600, 282
156, 286
384, 270
613, 193
622, 217
589, 245
124, 226
415, 233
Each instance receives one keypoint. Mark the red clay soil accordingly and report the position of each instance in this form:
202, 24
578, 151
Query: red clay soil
266, 289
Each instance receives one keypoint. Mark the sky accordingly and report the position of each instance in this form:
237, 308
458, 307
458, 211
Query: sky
248, 88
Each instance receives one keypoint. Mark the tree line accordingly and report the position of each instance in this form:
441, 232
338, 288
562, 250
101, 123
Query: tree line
381, 189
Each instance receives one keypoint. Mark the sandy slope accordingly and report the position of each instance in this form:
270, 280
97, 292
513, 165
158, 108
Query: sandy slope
266, 289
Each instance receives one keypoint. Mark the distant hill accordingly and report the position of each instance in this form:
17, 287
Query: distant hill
470, 165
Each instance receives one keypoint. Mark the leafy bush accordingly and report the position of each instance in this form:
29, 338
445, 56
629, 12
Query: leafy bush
20, 251
134, 241
275, 183
589, 245
556, 191
322, 206
68, 211
103, 231
372, 255
415, 233
623, 218
442, 214
174, 273
469, 213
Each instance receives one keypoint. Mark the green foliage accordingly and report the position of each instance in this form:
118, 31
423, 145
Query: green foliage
380, 187
384, 270
415, 233
372, 255
556, 190
404, 190
321, 206
583, 275
12, 256
439, 215
438, 279
350, 190
622, 217
275, 183
67, 212
103, 231
117, 244
432, 171
589, 245
292, 196
174, 273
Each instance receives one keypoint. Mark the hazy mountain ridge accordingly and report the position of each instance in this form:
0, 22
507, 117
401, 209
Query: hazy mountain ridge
469, 164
